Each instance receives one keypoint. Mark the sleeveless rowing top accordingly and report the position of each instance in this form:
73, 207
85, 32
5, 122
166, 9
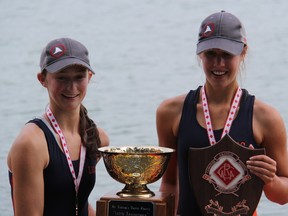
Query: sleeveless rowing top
59, 189
192, 134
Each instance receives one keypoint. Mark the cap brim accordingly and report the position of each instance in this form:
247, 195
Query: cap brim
233, 47
64, 63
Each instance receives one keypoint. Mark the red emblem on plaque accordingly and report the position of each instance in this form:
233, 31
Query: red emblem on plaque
226, 172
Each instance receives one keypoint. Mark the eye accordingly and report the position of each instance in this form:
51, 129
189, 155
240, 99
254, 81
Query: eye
210, 53
80, 76
227, 55
61, 78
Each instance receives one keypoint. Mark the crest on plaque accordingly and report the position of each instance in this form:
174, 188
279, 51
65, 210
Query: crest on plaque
221, 182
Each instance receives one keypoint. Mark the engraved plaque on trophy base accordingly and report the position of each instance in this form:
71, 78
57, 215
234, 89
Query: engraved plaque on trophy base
162, 204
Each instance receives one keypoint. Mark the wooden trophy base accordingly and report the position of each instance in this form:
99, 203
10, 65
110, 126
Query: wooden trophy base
162, 204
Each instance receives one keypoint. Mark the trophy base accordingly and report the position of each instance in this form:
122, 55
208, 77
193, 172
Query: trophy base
111, 204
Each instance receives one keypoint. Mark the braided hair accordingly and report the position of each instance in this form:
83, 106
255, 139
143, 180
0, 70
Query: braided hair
89, 134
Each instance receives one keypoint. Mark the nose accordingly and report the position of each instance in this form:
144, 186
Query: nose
71, 84
219, 60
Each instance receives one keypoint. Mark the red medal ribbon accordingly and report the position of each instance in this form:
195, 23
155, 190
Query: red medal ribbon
66, 152
230, 117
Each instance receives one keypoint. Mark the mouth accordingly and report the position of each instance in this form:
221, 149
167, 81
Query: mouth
70, 96
218, 73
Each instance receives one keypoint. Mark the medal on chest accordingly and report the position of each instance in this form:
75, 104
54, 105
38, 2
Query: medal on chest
230, 117
77, 179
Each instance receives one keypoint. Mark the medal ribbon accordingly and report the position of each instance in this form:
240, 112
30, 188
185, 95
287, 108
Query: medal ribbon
230, 117
66, 151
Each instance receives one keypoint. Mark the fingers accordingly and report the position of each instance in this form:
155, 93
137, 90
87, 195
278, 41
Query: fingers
262, 166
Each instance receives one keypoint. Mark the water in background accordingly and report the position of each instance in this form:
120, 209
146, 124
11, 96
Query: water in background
143, 52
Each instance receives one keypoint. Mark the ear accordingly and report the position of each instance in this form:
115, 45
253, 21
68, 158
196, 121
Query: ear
42, 79
90, 74
244, 52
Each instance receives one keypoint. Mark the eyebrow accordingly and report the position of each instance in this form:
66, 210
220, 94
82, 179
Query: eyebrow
78, 70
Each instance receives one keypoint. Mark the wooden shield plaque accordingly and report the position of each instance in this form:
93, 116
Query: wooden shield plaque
221, 182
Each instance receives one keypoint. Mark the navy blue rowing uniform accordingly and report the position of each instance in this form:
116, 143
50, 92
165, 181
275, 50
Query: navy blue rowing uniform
192, 134
59, 188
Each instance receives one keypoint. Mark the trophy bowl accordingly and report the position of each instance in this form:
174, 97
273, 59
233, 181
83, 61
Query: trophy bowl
136, 167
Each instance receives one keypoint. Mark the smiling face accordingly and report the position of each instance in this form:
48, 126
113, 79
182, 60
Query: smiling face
66, 88
220, 67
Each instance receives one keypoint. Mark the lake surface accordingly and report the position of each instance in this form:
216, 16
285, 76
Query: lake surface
143, 52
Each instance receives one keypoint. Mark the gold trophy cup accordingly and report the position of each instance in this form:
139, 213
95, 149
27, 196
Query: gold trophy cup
136, 167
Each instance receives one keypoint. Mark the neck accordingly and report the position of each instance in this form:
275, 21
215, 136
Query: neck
217, 116
220, 95
67, 120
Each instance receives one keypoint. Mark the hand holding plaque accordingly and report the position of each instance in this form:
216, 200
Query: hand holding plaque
221, 181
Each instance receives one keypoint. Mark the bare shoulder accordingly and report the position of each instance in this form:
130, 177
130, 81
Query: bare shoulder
103, 137
268, 125
29, 148
168, 116
266, 113
171, 106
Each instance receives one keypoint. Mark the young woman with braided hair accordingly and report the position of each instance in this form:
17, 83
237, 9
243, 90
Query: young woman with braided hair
52, 161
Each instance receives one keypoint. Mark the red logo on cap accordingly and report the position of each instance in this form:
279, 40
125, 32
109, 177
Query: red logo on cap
208, 29
57, 50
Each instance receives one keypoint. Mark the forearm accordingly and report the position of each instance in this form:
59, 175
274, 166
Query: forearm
173, 189
91, 211
277, 190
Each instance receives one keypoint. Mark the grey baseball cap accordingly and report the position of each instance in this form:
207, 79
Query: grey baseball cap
62, 53
223, 31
